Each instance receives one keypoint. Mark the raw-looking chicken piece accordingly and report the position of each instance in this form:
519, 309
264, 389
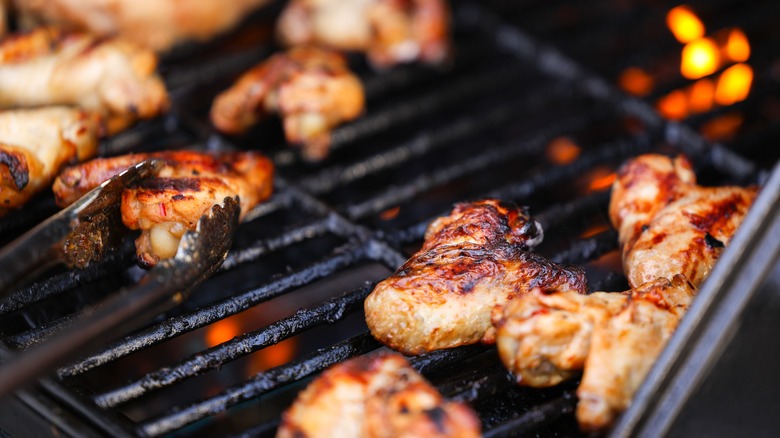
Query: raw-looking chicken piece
166, 206
390, 32
312, 89
36, 143
546, 337
112, 77
668, 224
156, 24
376, 396
472, 260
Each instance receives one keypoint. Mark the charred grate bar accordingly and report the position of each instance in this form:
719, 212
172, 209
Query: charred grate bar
412, 155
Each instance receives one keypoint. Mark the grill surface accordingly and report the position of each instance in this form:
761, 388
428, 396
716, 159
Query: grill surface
290, 294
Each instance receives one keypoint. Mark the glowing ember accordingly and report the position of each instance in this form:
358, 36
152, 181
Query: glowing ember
636, 81
737, 48
701, 96
734, 84
272, 356
684, 24
222, 331
562, 150
592, 231
602, 180
700, 58
390, 213
722, 128
674, 106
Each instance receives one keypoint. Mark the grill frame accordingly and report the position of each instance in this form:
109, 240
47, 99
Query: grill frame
366, 244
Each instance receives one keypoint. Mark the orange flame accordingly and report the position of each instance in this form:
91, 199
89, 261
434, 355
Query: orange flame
722, 128
700, 58
390, 213
562, 150
737, 47
636, 81
701, 96
734, 84
674, 106
272, 356
684, 24
601, 180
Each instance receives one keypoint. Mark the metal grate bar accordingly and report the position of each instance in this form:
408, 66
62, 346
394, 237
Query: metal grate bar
397, 194
588, 249
561, 213
262, 383
535, 417
173, 327
327, 313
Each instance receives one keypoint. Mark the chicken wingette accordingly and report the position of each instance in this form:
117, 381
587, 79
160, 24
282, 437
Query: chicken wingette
109, 76
165, 206
36, 143
547, 337
312, 89
389, 31
375, 396
668, 224
472, 260
155, 24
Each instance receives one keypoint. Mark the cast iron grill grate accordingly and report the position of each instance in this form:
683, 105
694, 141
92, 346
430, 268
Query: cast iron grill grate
304, 261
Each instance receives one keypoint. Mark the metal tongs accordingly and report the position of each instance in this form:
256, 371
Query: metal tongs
200, 254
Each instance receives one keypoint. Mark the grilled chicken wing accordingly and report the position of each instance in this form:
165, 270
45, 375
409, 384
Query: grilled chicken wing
158, 24
112, 77
375, 396
472, 260
546, 337
667, 224
166, 206
36, 143
312, 89
389, 31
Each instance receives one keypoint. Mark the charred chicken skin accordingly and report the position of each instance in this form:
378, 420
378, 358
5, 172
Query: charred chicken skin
668, 224
113, 77
377, 396
166, 206
36, 143
158, 24
390, 32
547, 337
472, 260
312, 89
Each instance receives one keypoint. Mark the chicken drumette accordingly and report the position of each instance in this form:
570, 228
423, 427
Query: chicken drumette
157, 24
472, 260
548, 337
668, 224
112, 77
389, 31
375, 396
312, 89
36, 143
166, 206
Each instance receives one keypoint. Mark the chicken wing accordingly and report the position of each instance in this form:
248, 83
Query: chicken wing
158, 24
166, 206
546, 337
472, 260
312, 89
668, 224
375, 396
36, 143
389, 31
113, 77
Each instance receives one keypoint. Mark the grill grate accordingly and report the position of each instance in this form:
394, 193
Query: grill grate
430, 138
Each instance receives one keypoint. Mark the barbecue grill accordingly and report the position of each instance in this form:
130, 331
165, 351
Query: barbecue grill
530, 111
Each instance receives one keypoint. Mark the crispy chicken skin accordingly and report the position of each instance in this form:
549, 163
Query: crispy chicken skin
545, 338
36, 143
156, 24
376, 396
312, 89
668, 224
389, 31
166, 206
472, 260
110, 76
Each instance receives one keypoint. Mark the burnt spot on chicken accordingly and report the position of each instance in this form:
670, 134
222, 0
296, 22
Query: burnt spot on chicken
16, 163
713, 242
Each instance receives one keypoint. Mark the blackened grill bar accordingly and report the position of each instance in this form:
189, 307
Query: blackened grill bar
494, 112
